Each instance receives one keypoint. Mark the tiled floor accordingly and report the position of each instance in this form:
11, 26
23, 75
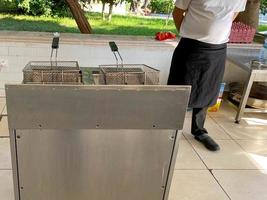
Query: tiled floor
237, 172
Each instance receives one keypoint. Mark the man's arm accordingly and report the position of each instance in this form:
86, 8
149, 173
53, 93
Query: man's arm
178, 17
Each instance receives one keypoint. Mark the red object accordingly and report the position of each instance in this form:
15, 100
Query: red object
164, 36
241, 33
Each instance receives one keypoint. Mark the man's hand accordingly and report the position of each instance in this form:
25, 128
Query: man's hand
178, 17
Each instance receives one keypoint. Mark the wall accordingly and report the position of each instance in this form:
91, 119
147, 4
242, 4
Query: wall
18, 48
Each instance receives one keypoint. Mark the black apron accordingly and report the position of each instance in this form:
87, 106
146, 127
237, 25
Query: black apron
200, 65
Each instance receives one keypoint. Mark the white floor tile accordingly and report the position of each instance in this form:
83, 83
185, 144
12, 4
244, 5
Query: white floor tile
187, 157
5, 155
243, 184
2, 106
4, 127
215, 131
188, 114
195, 185
4, 110
231, 156
6, 185
244, 130
256, 151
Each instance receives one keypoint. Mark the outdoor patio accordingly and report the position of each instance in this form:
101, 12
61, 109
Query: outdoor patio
237, 172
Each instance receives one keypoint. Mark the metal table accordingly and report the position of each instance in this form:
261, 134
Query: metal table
243, 57
94, 142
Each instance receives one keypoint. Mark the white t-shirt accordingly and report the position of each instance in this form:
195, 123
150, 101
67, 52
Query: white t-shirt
209, 21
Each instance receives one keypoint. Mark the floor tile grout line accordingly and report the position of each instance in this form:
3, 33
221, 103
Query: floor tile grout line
188, 140
223, 140
241, 146
4, 137
225, 131
239, 169
210, 170
2, 111
219, 126
229, 139
190, 169
196, 153
232, 137
252, 139
220, 184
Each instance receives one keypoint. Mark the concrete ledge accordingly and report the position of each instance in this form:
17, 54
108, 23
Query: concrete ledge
96, 39
84, 39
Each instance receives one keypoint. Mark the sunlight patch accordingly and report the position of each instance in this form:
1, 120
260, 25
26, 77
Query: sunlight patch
261, 161
256, 121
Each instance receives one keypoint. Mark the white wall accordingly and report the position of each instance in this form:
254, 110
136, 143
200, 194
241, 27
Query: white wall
119, 9
18, 48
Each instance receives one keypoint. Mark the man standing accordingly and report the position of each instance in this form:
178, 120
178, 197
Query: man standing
199, 58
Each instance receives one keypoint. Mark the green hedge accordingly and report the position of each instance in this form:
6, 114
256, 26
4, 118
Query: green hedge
161, 6
35, 7
44, 7
8, 5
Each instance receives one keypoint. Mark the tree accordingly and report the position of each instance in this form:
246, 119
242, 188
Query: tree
111, 3
263, 6
251, 14
134, 5
145, 4
79, 16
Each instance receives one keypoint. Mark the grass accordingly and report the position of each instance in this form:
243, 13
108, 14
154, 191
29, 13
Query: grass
262, 28
120, 25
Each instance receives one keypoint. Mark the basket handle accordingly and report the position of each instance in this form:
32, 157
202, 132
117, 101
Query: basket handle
54, 46
114, 48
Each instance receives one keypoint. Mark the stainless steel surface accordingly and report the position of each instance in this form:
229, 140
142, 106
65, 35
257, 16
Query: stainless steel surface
172, 164
243, 56
58, 153
130, 74
261, 76
93, 164
101, 107
14, 159
244, 99
247, 59
47, 72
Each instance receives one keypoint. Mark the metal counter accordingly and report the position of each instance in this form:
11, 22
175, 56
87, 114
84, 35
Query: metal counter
94, 142
242, 57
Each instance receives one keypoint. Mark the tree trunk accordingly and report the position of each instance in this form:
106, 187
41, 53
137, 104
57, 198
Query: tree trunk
110, 11
146, 2
251, 15
103, 10
134, 4
79, 16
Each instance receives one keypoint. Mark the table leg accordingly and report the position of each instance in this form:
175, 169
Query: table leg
244, 98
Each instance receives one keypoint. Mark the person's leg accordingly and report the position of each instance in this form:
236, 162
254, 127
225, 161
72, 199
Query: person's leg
198, 130
198, 121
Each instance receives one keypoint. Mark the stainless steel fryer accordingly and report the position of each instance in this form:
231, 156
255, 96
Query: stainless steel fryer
94, 142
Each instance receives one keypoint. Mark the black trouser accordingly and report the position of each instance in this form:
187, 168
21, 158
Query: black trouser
198, 121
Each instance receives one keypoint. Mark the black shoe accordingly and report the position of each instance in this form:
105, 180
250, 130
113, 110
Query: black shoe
208, 142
